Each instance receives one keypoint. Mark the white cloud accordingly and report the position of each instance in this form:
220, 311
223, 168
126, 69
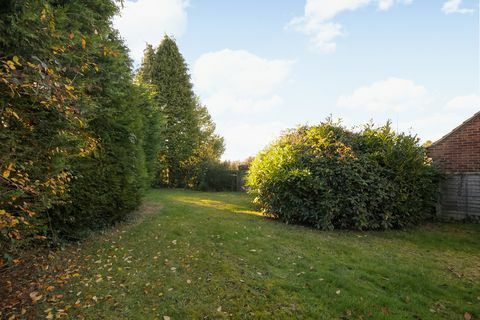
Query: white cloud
392, 94
453, 6
324, 10
239, 81
433, 126
385, 4
247, 139
445, 119
317, 23
418, 113
321, 34
436, 124
146, 21
467, 103
221, 102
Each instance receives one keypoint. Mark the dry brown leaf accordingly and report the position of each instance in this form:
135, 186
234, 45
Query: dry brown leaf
35, 296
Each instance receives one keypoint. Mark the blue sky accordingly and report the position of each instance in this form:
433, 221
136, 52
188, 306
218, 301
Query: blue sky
264, 66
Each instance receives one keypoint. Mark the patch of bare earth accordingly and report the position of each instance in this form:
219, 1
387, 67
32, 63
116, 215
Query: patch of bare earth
146, 209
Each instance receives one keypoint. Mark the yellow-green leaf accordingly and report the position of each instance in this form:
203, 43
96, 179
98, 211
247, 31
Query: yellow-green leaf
11, 65
16, 60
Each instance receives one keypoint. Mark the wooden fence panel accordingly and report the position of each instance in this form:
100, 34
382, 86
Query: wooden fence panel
460, 195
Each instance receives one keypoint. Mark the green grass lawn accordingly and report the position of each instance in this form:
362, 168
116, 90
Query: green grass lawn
211, 256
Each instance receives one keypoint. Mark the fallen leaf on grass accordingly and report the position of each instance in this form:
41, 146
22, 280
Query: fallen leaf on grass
467, 316
337, 292
166, 318
35, 296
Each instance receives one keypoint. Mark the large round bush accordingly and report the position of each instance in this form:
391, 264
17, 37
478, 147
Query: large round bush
328, 177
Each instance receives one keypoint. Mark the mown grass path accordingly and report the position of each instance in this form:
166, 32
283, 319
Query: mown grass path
211, 256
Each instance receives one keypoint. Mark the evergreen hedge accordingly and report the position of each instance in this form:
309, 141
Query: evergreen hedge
80, 136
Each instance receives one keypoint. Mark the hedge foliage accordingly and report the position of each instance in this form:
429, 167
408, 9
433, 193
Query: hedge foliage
72, 121
80, 136
329, 177
217, 176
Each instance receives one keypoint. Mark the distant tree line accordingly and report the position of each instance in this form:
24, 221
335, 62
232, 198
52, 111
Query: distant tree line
81, 135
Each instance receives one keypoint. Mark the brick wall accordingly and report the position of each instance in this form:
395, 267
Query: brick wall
459, 151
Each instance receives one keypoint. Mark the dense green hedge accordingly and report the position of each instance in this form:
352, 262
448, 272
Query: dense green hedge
80, 136
73, 122
328, 177
217, 176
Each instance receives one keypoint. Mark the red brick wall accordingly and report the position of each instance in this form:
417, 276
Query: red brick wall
460, 150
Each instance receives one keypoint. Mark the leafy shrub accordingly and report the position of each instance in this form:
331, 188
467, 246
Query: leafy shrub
328, 177
217, 176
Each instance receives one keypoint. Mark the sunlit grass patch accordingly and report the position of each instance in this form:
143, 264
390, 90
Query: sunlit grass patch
201, 257
220, 205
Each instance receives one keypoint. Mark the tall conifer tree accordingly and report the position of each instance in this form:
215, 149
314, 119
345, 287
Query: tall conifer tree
153, 122
188, 132
175, 97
